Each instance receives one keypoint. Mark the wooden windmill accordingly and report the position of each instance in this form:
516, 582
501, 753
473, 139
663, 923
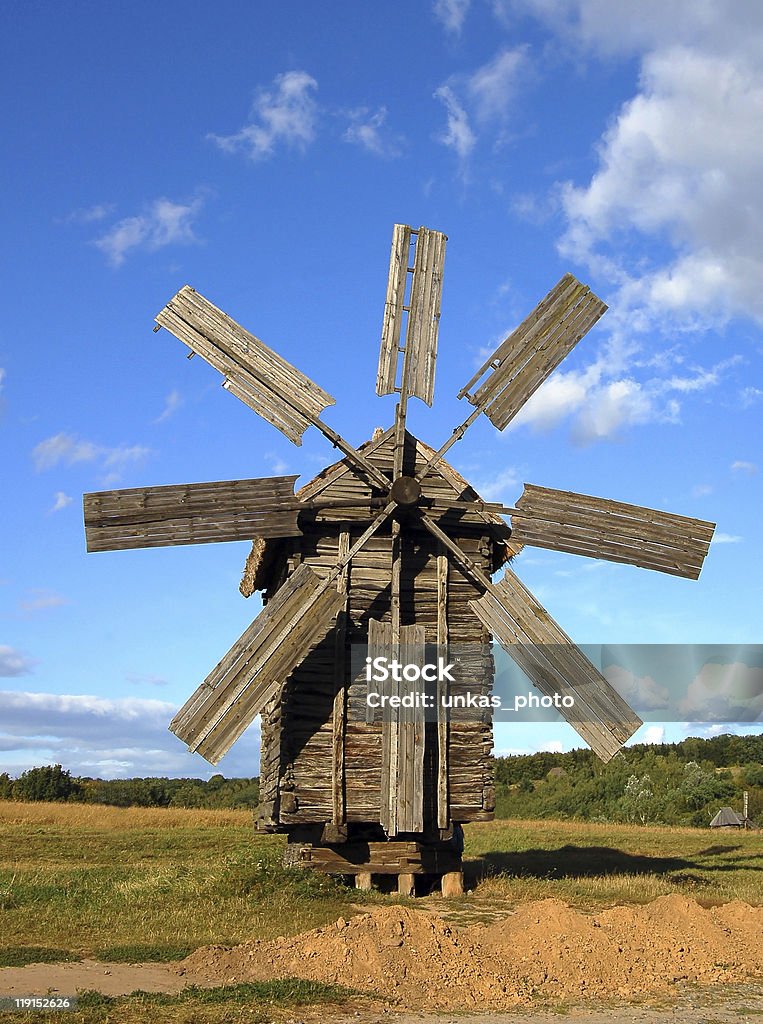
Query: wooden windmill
392, 548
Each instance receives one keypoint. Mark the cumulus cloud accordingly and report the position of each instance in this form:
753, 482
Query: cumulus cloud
13, 662
651, 734
283, 115
740, 466
368, 130
642, 692
606, 398
451, 14
725, 692
110, 738
66, 449
673, 212
161, 223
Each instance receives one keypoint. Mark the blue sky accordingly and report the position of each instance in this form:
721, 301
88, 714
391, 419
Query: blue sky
262, 154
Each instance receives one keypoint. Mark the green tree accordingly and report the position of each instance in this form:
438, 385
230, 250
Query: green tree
48, 783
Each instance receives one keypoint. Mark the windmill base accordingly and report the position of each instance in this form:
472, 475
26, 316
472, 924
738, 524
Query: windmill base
408, 862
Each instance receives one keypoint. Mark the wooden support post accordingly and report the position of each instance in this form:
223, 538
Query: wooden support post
340, 690
452, 883
364, 880
443, 813
406, 885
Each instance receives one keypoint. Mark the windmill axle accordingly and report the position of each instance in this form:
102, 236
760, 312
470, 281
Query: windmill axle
405, 491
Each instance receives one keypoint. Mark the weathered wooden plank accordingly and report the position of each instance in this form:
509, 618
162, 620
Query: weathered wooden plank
584, 524
255, 373
423, 318
443, 814
339, 711
533, 350
552, 661
393, 310
224, 510
235, 691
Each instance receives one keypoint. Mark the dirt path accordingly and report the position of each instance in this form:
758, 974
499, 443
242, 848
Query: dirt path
735, 1005
110, 979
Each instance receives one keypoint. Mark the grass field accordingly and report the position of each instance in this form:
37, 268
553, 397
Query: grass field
152, 884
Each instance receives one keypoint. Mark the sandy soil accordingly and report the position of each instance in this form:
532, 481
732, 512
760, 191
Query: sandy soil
670, 960
544, 952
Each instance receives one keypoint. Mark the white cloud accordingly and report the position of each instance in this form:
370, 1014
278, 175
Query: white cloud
68, 450
88, 214
497, 486
61, 500
485, 96
553, 747
673, 213
458, 134
451, 14
110, 738
172, 403
643, 692
740, 466
750, 396
40, 599
605, 398
702, 490
493, 86
368, 131
727, 692
285, 115
725, 538
145, 679
651, 734
13, 662
162, 223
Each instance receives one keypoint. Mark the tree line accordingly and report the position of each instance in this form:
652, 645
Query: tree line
681, 783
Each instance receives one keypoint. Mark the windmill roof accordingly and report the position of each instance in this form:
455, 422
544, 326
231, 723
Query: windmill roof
726, 816
264, 552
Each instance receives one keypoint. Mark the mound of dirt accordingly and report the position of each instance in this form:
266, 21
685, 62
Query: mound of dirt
417, 959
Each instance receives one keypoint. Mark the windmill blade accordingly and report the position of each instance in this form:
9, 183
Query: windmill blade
548, 656
292, 623
584, 525
532, 352
235, 691
423, 313
556, 665
151, 517
253, 372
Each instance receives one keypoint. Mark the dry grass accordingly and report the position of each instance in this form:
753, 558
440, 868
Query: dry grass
88, 878
123, 819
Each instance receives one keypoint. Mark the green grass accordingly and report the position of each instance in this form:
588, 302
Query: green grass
593, 865
251, 1002
20, 956
137, 953
153, 884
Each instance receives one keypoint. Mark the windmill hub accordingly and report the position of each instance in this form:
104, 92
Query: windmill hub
406, 491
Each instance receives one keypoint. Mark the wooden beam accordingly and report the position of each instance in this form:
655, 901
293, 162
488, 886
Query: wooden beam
339, 712
443, 810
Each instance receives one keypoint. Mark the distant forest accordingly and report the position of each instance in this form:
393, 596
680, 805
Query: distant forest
666, 783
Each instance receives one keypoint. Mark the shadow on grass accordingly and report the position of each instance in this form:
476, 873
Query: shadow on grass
571, 862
